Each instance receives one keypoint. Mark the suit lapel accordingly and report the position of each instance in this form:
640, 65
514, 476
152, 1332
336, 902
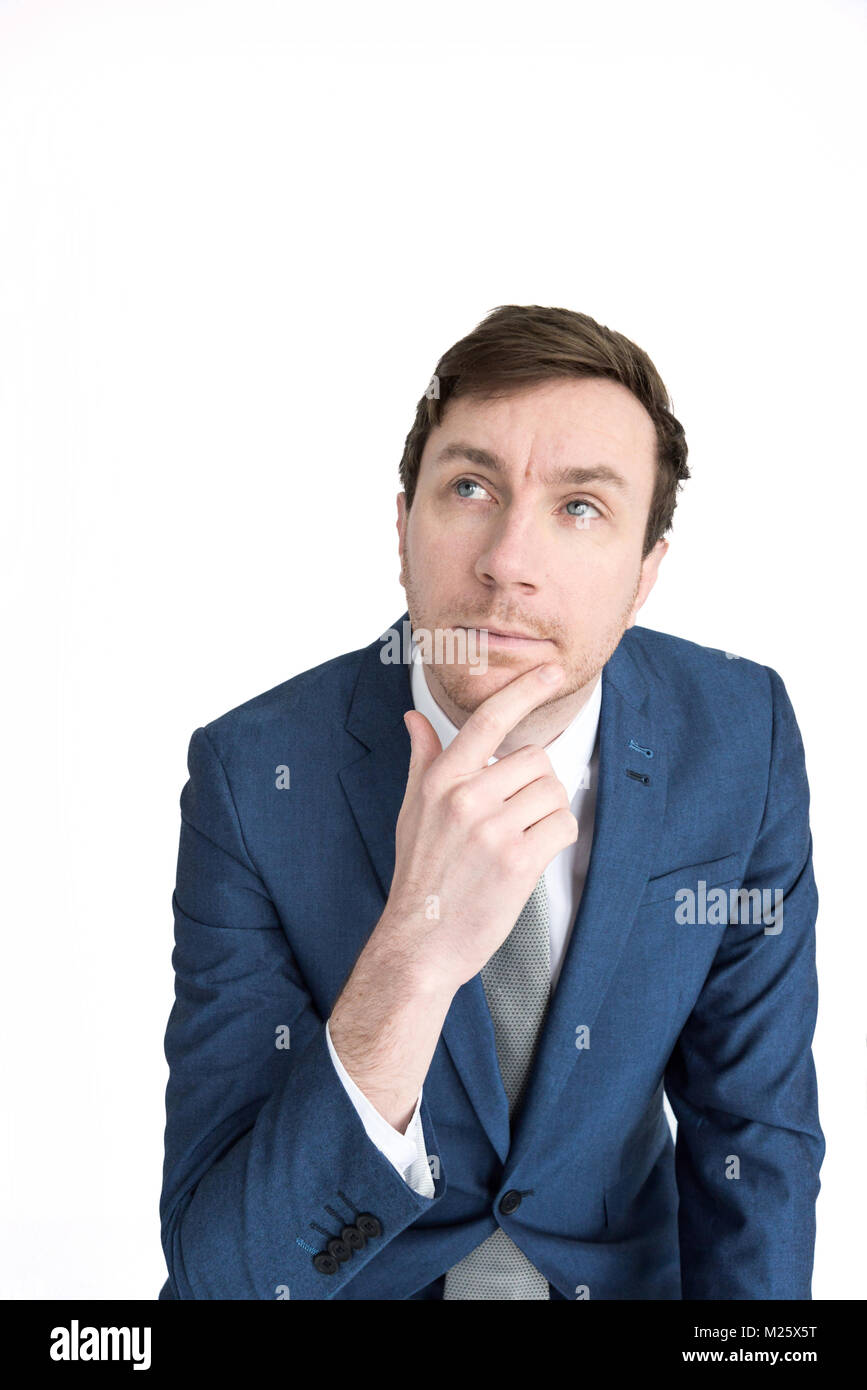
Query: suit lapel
376, 783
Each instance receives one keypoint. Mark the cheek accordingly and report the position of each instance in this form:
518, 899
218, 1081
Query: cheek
589, 571
432, 566
604, 567
593, 592
435, 558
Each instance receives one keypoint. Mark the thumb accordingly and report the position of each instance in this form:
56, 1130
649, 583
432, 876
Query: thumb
424, 743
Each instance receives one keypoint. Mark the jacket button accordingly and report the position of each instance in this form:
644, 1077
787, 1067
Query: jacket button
510, 1202
339, 1249
325, 1263
368, 1225
353, 1237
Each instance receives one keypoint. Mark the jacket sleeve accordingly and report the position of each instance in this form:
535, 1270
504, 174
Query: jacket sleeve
266, 1158
741, 1079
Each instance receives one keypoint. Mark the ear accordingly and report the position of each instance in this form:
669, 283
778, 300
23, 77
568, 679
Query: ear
401, 529
649, 570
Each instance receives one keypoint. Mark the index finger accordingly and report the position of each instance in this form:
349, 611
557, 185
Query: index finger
488, 725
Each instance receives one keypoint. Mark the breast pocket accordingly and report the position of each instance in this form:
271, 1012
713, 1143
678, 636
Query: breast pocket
716, 873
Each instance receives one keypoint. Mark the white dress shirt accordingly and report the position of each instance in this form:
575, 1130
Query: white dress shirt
574, 757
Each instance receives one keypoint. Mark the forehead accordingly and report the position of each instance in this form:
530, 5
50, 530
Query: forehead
553, 423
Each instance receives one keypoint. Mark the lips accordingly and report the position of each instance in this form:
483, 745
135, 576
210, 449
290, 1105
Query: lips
500, 633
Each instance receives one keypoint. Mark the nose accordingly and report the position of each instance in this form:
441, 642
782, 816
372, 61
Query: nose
513, 554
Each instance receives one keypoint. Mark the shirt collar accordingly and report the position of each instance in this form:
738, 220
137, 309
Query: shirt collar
569, 752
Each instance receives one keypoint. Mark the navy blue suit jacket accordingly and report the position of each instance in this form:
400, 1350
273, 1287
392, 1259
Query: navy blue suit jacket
278, 888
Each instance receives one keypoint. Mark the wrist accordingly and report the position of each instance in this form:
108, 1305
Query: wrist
398, 947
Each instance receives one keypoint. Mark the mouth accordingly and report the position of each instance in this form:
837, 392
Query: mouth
509, 639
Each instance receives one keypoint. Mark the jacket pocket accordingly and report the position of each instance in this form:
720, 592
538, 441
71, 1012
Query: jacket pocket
715, 872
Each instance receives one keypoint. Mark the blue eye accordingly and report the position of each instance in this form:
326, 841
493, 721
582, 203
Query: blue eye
466, 482
582, 502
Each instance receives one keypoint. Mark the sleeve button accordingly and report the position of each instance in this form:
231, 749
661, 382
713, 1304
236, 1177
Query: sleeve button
325, 1263
353, 1237
369, 1225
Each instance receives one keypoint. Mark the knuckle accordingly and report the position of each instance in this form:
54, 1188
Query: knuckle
554, 787
536, 759
462, 802
485, 720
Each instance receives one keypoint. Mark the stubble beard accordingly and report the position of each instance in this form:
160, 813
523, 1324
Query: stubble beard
465, 691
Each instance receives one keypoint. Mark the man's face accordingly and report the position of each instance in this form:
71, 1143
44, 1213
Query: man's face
499, 536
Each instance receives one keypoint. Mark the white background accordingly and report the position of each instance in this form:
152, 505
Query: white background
234, 239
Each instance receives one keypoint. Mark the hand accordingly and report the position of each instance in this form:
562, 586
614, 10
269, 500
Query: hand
472, 840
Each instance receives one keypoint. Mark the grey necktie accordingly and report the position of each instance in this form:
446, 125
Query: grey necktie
517, 983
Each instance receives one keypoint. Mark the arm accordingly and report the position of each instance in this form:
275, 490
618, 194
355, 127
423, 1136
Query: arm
741, 1079
260, 1140
406, 1151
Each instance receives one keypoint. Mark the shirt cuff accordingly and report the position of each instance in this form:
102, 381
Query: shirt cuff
406, 1152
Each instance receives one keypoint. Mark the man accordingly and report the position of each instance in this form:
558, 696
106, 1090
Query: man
435, 973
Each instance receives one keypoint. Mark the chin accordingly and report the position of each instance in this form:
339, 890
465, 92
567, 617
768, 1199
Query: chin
468, 687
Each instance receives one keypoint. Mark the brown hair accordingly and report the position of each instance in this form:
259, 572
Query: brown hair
518, 346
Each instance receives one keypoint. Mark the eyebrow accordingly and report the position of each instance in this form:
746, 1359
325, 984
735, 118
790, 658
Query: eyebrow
574, 477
